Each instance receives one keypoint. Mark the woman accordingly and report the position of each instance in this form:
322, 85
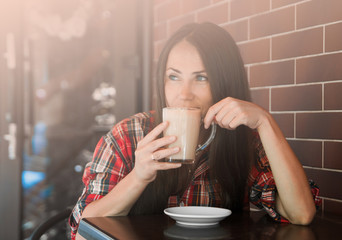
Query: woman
248, 161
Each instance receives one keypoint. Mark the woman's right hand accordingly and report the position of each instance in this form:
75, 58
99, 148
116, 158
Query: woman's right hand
151, 149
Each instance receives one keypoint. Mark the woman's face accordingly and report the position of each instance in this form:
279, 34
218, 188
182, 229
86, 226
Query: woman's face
186, 80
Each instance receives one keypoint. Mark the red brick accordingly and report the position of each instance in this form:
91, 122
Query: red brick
282, 3
334, 207
332, 155
309, 153
326, 181
313, 13
298, 44
167, 11
272, 23
238, 30
246, 8
333, 37
272, 74
192, 5
319, 68
297, 98
333, 96
179, 22
286, 123
325, 125
261, 97
256, 51
217, 14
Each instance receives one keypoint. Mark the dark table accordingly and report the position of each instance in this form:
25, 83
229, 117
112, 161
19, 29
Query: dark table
255, 225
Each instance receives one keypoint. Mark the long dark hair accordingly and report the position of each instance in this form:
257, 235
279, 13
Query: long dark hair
230, 154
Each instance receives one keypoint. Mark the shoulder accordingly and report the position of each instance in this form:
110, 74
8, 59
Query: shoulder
128, 132
144, 120
135, 126
118, 145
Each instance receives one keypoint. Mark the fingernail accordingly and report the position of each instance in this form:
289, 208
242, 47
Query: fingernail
172, 138
176, 149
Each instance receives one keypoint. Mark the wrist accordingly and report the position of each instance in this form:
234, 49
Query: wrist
138, 181
265, 121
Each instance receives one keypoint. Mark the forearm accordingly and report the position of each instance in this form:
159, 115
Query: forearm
119, 201
294, 199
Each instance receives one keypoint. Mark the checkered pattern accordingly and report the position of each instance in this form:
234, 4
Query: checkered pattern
114, 158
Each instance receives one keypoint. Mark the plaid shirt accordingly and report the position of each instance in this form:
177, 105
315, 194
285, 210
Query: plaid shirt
114, 158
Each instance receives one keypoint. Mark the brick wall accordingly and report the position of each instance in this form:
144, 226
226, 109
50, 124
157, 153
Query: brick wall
293, 55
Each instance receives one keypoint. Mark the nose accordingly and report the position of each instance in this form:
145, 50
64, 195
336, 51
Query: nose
186, 92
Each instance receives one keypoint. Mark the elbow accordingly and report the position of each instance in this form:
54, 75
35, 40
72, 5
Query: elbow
89, 211
299, 214
86, 213
304, 218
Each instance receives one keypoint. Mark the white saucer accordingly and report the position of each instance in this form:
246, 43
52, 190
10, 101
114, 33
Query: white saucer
197, 216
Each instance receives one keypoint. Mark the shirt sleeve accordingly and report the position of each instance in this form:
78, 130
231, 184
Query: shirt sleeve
262, 187
110, 163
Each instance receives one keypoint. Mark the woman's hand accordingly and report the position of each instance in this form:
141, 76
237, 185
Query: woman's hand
119, 200
230, 113
149, 150
294, 199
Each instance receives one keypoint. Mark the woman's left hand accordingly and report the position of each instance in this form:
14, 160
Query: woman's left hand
230, 113
294, 199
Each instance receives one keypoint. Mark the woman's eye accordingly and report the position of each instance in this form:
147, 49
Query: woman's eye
173, 77
201, 78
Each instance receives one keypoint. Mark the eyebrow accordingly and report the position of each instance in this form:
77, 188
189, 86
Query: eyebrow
177, 71
173, 69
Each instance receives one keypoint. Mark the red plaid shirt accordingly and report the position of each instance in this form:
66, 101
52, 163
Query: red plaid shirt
114, 158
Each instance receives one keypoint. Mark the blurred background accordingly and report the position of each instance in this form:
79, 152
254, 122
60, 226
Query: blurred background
69, 70
65, 65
